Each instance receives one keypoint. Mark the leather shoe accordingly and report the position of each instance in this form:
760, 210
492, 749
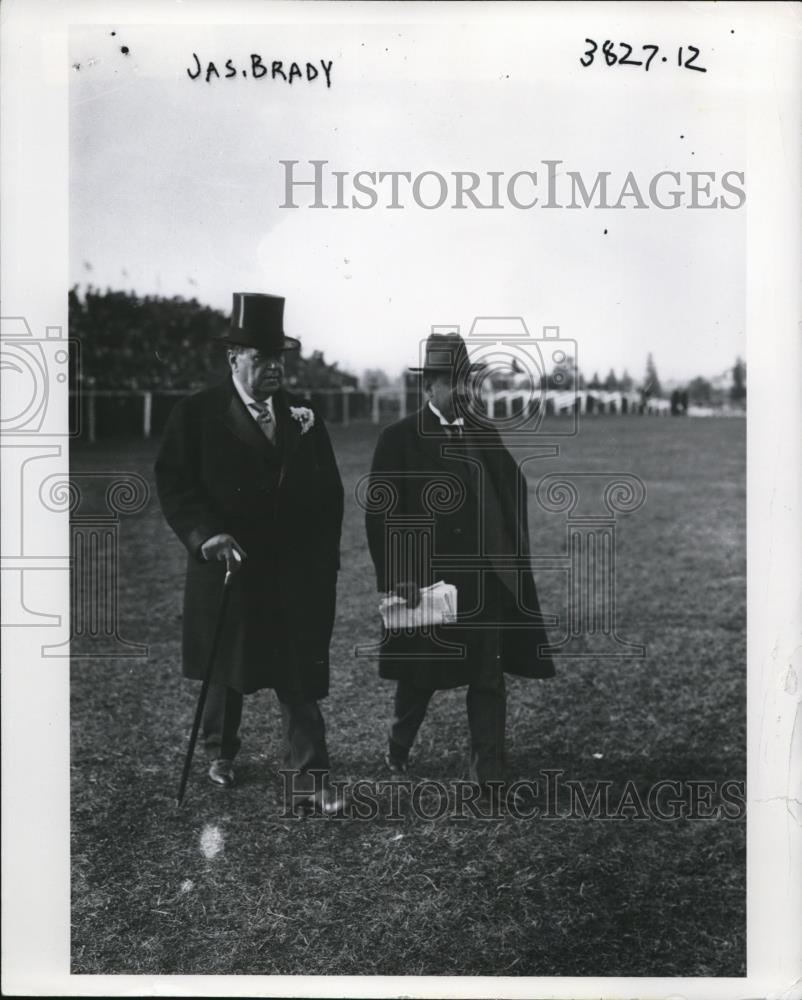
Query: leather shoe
396, 766
325, 803
221, 772
331, 803
396, 758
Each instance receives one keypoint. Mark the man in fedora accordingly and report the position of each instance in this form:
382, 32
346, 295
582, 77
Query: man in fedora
247, 479
447, 501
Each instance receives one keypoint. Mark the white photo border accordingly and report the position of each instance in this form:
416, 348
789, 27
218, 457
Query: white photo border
35, 704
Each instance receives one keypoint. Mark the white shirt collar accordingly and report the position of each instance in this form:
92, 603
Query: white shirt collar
248, 400
457, 422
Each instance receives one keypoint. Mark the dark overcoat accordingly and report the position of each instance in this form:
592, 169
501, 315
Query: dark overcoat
217, 473
442, 508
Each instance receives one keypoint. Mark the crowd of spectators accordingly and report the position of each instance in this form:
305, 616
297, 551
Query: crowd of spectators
128, 342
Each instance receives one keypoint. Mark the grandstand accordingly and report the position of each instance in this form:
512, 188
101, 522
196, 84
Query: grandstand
139, 354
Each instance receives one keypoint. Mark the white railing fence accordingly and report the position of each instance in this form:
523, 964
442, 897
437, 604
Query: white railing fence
343, 405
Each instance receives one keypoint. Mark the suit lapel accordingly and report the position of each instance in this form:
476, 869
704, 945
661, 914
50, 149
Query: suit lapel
238, 420
289, 429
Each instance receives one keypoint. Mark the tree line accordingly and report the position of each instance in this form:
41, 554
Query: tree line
154, 342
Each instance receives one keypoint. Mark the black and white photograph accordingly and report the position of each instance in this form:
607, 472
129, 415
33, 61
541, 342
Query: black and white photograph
390, 606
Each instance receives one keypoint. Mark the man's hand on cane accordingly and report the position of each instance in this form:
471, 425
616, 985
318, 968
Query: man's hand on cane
224, 548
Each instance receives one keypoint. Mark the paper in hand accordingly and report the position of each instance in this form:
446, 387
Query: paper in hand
438, 606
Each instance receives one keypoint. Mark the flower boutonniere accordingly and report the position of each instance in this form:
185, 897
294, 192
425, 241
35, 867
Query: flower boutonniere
304, 416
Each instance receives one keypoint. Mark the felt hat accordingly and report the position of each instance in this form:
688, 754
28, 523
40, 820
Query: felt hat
444, 354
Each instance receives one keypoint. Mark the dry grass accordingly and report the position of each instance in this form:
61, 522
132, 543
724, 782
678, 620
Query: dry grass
505, 897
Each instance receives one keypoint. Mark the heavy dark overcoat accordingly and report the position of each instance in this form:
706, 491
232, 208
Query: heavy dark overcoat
470, 503
217, 473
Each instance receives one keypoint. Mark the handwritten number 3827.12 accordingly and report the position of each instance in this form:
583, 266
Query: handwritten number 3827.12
611, 58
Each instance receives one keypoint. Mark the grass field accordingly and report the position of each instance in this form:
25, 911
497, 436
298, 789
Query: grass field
226, 885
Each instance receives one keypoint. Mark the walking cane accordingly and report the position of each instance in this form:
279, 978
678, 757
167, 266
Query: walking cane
205, 686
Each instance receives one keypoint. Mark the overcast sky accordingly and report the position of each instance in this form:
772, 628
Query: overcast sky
176, 185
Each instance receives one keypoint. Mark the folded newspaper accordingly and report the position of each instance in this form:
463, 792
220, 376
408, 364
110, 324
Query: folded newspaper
438, 606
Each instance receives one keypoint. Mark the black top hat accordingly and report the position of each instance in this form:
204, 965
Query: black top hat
257, 320
445, 354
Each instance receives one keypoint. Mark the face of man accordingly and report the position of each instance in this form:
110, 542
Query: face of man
259, 374
441, 394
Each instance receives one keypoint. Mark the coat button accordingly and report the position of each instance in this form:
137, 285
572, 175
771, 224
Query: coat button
457, 531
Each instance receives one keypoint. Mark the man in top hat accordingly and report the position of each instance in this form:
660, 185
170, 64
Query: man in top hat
247, 479
456, 511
